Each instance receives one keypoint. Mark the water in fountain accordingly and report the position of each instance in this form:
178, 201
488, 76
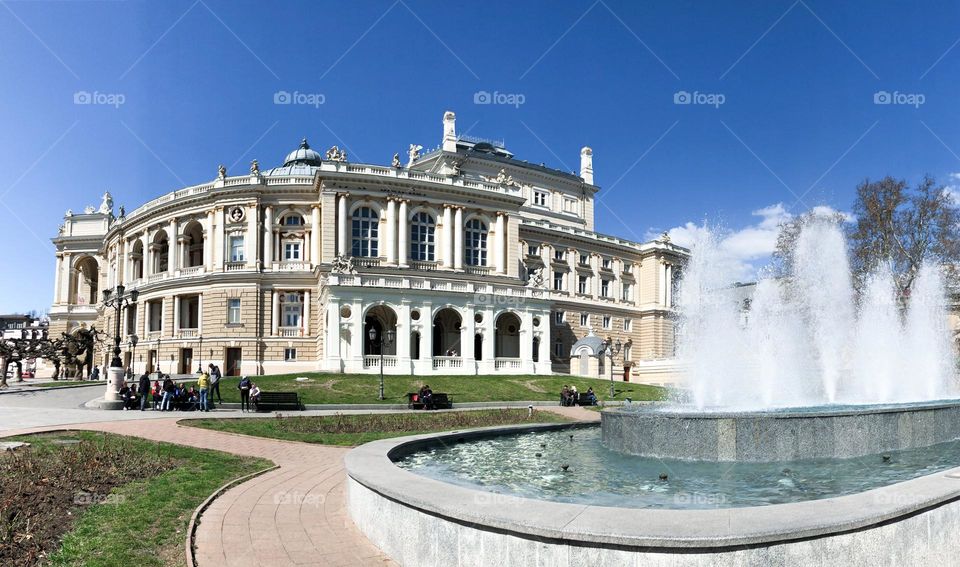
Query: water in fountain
808, 340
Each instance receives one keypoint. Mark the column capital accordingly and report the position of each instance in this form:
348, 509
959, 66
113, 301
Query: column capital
343, 194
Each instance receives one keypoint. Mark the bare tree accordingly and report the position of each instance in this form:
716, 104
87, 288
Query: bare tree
902, 228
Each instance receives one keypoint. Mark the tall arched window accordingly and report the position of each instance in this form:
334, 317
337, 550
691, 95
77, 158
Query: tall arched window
366, 226
476, 244
422, 237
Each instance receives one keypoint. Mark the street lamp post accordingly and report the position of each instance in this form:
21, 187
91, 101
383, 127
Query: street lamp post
385, 339
134, 339
200, 356
117, 298
612, 349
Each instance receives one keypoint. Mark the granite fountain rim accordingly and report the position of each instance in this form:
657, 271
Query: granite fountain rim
669, 409
372, 466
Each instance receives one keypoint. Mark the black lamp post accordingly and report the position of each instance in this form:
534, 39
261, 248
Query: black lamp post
384, 339
200, 356
134, 339
118, 298
612, 349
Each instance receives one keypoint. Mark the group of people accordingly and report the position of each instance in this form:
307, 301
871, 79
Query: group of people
425, 395
570, 397
167, 395
249, 392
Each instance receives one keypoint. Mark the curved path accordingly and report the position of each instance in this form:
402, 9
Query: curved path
293, 515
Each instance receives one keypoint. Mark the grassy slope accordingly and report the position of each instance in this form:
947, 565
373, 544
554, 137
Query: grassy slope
363, 389
359, 429
148, 524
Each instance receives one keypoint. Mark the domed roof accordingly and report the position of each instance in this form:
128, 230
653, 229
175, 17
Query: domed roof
303, 155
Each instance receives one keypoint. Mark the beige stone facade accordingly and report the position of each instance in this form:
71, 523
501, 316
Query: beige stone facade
466, 259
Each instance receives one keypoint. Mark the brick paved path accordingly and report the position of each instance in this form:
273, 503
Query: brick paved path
294, 515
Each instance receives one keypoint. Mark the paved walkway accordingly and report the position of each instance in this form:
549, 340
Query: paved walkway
294, 515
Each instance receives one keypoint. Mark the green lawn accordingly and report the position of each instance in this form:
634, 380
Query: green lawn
353, 430
144, 521
363, 389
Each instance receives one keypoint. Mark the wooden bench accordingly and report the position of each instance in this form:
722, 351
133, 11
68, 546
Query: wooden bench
440, 401
278, 400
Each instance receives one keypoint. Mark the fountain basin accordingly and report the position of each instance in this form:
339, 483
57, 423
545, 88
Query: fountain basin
780, 435
423, 521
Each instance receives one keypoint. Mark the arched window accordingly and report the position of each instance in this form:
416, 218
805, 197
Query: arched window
476, 244
366, 226
292, 219
422, 237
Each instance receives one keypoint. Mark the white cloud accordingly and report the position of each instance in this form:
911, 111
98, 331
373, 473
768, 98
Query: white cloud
748, 248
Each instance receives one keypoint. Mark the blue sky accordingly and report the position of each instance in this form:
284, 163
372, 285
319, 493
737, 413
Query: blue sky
793, 121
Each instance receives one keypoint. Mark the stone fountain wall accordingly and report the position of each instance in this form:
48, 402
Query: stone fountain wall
780, 435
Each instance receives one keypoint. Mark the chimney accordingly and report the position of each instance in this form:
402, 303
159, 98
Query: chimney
449, 131
586, 165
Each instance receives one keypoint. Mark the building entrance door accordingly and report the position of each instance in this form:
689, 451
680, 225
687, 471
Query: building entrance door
186, 361
233, 362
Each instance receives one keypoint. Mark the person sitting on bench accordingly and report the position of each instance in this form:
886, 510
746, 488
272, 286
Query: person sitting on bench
426, 396
589, 398
566, 399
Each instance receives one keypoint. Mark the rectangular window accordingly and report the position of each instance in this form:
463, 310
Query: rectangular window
533, 250
540, 198
233, 311
558, 317
582, 285
607, 263
558, 349
584, 258
156, 315
289, 354
559, 254
558, 281
569, 205
605, 288
627, 292
627, 268
628, 325
584, 320
292, 309
236, 249
606, 321
291, 251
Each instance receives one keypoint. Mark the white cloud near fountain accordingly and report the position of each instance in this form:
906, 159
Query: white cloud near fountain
809, 341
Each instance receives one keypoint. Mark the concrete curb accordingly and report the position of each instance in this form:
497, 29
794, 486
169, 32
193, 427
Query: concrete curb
195, 517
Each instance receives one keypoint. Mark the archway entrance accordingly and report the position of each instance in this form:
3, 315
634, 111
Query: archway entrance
507, 343
446, 333
380, 318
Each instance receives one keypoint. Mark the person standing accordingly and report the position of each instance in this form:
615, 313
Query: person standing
215, 377
144, 389
203, 382
244, 387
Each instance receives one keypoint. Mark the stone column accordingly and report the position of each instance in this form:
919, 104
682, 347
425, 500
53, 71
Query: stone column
221, 237
543, 356
391, 252
176, 317
403, 333
595, 278
275, 314
458, 240
498, 244
332, 344
447, 237
146, 320
306, 313
315, 235
251, 243
356, 332
342, 224
489, 337
403, 245
209, 241
122, 251
65, 286
268, 238
173, 247
526, 341
662, 283
145, 266
669, 286
56, 279
200, 314
466, 338
426, 334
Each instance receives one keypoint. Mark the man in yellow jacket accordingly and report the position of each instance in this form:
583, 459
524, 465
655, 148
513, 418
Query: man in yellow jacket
203, 382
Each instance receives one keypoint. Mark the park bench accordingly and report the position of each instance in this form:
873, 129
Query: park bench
278, 400
440, 401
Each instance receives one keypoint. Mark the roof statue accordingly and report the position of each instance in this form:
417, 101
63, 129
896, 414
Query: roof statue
396, 161
336, 154
106, 205
254, 167
413, 153
222, 172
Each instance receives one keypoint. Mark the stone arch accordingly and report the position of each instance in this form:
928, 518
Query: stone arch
85, 281
382, 318
193, 243
507, 337
446, 332
160, 252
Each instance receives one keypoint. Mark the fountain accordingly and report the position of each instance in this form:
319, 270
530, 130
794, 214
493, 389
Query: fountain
820, 423
814, 372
